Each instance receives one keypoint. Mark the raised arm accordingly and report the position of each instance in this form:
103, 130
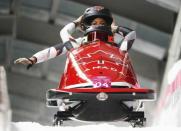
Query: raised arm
52, 52
69, 29
42, 56
128, 35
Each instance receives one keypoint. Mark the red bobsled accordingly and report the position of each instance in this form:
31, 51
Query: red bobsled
97, 81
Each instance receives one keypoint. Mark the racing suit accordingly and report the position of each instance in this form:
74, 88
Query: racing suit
69, 42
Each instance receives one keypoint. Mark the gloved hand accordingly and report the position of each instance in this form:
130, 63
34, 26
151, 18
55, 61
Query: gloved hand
78, 21
26, 61
114, 27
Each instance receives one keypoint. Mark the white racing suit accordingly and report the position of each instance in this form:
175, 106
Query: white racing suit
66, 35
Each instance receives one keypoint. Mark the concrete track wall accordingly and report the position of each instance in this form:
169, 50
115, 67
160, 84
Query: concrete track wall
5, 111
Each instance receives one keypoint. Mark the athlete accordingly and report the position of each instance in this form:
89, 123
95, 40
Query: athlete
92, 17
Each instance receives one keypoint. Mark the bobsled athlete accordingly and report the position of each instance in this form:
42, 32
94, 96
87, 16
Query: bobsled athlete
93, 17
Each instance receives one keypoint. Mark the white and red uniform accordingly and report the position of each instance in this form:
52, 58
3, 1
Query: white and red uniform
66, 35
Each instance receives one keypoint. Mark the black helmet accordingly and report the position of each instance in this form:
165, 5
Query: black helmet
98, 32
97, 11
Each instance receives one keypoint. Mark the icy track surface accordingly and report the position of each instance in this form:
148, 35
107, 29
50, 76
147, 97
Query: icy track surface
31, 126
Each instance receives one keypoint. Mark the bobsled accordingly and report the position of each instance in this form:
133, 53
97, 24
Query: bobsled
97, 83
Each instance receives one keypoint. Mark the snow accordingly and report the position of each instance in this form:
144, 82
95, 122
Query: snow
169, 106
32, 126
174, 71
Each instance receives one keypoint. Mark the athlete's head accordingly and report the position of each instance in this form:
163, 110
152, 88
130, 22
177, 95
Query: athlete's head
97, 15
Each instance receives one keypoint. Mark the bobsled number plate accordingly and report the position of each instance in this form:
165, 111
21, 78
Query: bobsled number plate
101, 82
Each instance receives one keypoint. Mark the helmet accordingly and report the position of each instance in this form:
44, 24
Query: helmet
100, 32
97, 11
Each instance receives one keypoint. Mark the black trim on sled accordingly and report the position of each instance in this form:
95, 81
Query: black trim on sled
123, 96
